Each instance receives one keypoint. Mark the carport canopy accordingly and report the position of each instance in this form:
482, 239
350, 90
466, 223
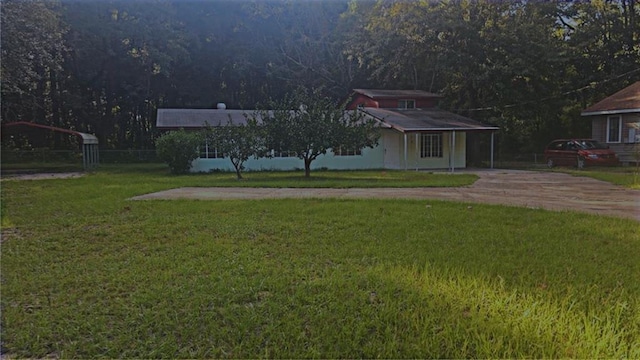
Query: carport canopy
89, 142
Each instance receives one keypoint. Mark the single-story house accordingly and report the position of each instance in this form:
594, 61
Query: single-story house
415, 134
615, 121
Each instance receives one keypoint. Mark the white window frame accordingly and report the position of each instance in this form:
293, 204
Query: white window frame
340, 151
209, 152
433, 147
283, 154
610, 120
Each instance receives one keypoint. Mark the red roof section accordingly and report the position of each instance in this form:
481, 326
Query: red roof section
624, 101
386, 94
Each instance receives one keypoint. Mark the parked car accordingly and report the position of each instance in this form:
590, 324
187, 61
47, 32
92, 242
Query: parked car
579, 153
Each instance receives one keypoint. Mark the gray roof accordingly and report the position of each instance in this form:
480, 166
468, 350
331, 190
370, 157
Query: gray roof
393, 94
198, 118
431, 119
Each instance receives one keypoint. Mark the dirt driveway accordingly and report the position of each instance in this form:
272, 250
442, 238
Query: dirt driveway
552, 191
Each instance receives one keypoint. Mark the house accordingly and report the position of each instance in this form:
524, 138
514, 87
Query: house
615, 121
419, 135
415, 134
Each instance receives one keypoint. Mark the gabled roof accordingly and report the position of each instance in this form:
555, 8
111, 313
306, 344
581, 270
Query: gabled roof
626, 100
199, 118
432, 119
396, 94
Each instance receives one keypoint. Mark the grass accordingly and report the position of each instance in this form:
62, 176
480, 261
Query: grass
628, 176
157, 175
87, 273
32, 167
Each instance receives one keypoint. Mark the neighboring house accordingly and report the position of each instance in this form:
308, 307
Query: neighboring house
414, 135
615, 121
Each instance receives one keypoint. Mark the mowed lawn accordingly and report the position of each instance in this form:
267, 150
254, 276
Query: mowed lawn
87, 273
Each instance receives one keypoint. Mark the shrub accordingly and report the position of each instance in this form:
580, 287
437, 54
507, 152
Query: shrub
178, 149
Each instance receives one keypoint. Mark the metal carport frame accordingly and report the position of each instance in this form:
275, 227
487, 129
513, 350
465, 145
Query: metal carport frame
89, 143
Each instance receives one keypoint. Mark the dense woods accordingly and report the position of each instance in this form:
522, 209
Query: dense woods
104, 67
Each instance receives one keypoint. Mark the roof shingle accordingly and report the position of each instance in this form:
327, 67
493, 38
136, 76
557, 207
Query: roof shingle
432, 119
624, 101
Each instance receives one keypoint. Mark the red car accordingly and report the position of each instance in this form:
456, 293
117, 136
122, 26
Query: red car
579, 153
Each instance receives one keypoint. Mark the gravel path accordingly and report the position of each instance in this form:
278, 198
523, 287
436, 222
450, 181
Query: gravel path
552, 191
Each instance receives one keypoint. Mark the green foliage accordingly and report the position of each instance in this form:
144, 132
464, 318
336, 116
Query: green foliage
92, 274
309, 124
105, 67
35, 34
478, 55
238, 142
178, 149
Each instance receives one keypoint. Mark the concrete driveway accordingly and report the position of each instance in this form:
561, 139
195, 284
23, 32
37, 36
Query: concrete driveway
546, 190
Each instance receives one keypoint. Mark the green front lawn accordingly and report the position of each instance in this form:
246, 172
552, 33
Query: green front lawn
87, 273
628, 176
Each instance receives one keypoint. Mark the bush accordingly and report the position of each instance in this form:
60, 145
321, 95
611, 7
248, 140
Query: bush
178, 149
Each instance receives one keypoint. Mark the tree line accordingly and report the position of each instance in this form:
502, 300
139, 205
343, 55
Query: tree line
104, 67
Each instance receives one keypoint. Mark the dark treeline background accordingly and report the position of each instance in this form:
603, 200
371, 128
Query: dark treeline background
104, 67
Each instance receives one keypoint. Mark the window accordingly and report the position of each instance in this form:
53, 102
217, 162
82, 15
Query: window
431, 145
614, 129
210, 152
406, 104
340, 151
277, 153
634, 135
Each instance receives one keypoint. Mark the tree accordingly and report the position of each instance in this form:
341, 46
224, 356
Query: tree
310, 124
501, 62
178, 149
33, 48
237, 141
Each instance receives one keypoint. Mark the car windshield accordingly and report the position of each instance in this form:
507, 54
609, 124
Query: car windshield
591, 144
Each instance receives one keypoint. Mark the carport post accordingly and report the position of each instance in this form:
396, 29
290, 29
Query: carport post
417, 154
406, 160
453, 151
84, 156
491, 164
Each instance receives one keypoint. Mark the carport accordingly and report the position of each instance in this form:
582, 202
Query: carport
88, 142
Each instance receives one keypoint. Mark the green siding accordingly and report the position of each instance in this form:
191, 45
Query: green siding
388, 154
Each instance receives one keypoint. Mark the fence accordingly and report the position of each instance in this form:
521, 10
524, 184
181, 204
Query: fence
48, 156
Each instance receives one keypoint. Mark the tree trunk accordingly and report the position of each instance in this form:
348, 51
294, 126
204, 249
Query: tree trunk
238, 167
307, 168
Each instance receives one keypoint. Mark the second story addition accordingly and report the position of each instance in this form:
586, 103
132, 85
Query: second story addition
393, 99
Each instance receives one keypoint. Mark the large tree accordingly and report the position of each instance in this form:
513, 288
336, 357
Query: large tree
238, 142
309, 124
33, 50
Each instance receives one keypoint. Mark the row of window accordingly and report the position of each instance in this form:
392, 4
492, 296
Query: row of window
430, 147
210, 152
